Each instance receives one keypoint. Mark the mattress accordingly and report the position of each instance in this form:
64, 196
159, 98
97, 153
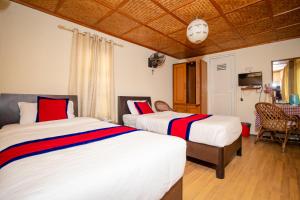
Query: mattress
138, 165
216, 130
130, 119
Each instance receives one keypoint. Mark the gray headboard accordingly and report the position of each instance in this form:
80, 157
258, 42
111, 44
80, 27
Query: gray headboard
9, 109
123, 108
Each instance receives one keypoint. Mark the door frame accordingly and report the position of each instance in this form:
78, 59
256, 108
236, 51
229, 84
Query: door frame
210, 79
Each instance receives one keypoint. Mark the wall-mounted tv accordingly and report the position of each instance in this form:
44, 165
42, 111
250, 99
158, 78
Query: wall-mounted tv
250, 79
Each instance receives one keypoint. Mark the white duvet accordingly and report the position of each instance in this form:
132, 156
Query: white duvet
138, 165
216, 130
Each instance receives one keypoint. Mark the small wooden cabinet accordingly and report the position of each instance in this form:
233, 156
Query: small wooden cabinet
190, 87
180, 107
193, 108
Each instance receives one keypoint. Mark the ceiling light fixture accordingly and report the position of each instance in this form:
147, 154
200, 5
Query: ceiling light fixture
197, 31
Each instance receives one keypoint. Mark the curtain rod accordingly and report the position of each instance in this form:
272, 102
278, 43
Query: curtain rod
72, 30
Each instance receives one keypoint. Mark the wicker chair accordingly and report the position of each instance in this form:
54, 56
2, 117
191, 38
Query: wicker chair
161, 106
273, 119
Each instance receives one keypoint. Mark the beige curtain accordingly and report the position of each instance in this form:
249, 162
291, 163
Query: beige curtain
285, 84
297, 77
92, 77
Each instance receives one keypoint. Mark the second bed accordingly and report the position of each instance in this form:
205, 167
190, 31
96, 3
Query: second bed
214, 140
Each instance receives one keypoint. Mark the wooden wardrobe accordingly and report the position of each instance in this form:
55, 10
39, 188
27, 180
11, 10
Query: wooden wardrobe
190, 87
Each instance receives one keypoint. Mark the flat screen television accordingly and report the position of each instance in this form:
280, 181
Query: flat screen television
250, 79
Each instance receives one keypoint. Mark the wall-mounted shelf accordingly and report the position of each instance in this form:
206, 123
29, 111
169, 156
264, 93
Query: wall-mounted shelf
251, 88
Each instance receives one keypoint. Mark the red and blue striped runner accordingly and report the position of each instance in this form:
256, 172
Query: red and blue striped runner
45, 145
180, 127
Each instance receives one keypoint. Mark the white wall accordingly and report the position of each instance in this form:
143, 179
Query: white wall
35, 55
257, 58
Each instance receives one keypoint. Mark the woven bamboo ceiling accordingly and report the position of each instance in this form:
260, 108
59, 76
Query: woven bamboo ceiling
161, 24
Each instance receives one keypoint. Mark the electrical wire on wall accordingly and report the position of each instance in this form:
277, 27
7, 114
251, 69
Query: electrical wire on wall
261, 90
241, 99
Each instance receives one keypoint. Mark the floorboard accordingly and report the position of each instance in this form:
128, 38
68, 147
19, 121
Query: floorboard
263, 172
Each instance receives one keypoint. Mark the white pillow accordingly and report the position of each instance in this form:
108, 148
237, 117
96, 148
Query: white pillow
70, 110
132, 107
28, 112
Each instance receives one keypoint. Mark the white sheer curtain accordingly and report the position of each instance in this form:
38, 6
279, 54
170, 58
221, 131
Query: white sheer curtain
92, 76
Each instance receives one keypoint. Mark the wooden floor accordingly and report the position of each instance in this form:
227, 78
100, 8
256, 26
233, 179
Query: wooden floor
263, 172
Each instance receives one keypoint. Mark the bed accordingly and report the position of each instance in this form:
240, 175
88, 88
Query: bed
211, 147
136, 165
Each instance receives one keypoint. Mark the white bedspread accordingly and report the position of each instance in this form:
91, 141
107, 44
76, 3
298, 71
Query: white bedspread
216, 130
138, 165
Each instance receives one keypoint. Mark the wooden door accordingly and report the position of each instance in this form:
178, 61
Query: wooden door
198, 82
191, 83
203, 80
179, 83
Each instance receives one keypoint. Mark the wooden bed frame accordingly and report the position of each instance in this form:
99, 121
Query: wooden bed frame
10, 114
175, 192
218, 156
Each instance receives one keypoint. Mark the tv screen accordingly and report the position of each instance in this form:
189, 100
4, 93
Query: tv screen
250, 79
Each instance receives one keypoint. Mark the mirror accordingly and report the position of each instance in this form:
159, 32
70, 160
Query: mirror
286, 79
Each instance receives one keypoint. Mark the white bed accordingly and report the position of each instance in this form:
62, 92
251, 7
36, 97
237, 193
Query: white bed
138, 165
216, 130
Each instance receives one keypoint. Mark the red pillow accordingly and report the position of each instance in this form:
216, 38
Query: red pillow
51, 109
143, 107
